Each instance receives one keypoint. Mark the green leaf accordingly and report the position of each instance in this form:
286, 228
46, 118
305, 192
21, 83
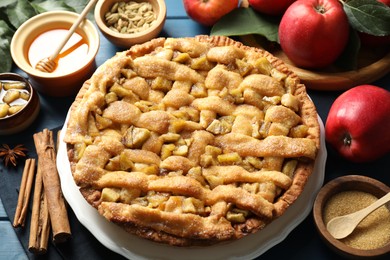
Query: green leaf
71, 5
368, 16
77, 5
6, 61
67, 5
6, 32
5, 3
20, 12
6, 35
245, 21
44, 6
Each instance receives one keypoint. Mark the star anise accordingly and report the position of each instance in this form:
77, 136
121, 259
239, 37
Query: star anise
11, 155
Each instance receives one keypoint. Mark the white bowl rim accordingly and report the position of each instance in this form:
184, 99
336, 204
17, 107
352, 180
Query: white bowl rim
39, 20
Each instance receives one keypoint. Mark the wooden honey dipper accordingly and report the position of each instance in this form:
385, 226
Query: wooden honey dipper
49, 64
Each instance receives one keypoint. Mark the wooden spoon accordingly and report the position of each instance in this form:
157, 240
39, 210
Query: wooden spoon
48, 64
341, 227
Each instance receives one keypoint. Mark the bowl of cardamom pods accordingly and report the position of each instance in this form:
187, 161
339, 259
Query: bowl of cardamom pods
19, 103
126, 23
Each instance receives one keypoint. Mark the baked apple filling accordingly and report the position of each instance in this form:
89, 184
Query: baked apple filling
192, 140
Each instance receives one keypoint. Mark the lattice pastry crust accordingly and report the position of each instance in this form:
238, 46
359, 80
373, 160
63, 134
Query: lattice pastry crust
192, 141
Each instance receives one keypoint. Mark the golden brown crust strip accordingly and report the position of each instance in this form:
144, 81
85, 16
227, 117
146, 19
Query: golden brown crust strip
184, 225
271, 146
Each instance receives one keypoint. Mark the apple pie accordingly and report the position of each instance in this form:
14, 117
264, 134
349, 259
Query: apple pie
192, 141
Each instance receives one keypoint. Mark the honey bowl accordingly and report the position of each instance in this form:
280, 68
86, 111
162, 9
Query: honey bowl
127, 31
345, 195
19, 103
38, 38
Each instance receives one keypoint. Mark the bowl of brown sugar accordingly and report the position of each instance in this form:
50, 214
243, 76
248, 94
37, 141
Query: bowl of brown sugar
348, 194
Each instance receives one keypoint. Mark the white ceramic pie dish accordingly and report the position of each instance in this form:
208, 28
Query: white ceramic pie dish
133, 247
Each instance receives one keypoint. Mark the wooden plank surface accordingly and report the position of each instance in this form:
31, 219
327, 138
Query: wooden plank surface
10, 247
2, 211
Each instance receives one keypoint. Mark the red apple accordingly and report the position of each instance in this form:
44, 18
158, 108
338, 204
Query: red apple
373, 41
272, 7
208, 12
313, 33
358, 123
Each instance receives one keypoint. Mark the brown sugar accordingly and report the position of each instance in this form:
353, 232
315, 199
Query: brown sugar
373, 232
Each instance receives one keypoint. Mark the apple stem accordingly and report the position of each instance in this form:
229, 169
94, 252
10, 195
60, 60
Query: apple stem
347, 139
320, 9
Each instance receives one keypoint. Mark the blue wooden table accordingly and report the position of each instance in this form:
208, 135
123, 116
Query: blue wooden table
302, 243
10, 247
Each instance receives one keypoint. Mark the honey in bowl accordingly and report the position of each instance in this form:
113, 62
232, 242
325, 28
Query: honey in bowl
72, 57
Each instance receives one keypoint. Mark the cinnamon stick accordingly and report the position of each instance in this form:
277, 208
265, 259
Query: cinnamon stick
40, 220
24, 193
44, 145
